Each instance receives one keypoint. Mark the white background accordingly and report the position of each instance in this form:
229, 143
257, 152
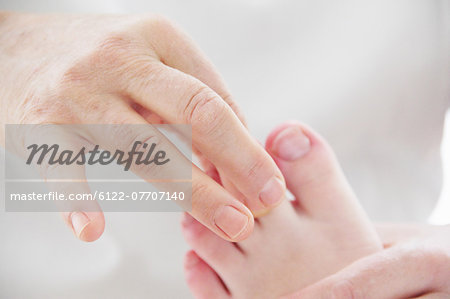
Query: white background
371, 77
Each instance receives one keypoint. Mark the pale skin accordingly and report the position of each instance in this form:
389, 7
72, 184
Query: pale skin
321, 245
122, 69
68, 69
416, 264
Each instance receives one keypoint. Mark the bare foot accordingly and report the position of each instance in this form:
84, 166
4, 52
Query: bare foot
295, 245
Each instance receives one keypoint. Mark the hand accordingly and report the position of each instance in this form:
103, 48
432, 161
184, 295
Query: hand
63, 69
416, 264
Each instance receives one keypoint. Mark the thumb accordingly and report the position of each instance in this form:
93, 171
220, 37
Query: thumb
84, 217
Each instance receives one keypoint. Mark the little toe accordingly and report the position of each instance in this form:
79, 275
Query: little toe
215, 251
202, 280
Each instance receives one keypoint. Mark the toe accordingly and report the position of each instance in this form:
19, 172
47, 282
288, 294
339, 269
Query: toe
203, 282
311, 171
215, 251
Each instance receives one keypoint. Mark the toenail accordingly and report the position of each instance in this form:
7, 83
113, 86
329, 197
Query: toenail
231, 221
291, 144
272, 192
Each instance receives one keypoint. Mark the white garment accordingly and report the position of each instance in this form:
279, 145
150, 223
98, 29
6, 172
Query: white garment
371, 77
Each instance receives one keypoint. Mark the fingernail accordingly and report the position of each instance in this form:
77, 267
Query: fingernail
187, 219
192, 260
79, 222
291, 144
272, 192
231, 221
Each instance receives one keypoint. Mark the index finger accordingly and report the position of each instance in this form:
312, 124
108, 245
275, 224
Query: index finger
205, 200
216, 131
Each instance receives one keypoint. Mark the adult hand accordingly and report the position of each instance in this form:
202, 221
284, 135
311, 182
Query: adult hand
415, 264
66, 69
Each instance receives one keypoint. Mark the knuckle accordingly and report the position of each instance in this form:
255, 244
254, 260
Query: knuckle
128, 136
255, 168
76, 75
160, 22
113, 56
205, 112
38, 108
112, 50
36, 111
226, 96
188, 111
132, 140
199, 191
235, 107
145, 171
97, 108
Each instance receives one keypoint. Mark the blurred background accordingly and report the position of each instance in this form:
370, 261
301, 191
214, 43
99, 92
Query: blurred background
371, 76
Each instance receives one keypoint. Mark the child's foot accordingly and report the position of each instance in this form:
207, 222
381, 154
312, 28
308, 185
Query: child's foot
299, 242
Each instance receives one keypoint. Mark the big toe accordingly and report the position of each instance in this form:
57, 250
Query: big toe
312, 172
